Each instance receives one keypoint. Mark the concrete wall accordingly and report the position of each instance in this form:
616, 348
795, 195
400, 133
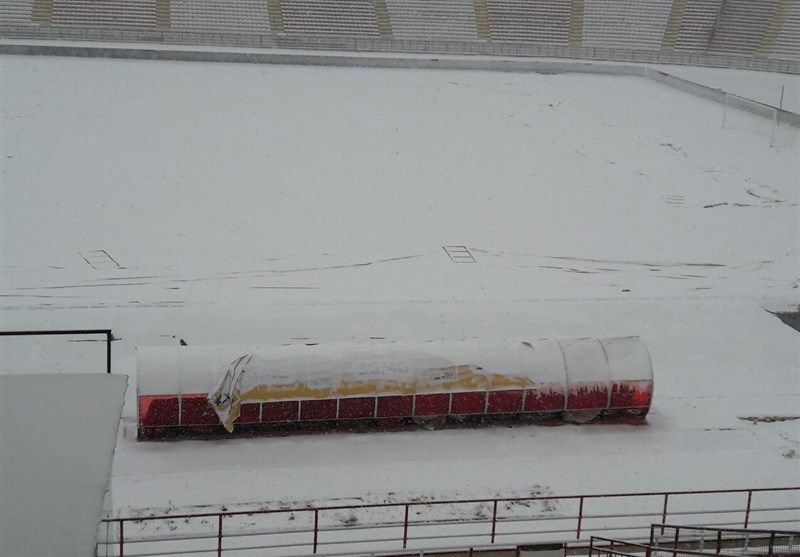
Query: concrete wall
429, 47
449, 63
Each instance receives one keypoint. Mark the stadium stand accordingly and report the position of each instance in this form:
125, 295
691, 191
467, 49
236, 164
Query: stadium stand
742, 25
242, 16
437, 19
519, 21
16, 12
695, 23
657, 30
783, 37
352, 18
627, 24
133, 13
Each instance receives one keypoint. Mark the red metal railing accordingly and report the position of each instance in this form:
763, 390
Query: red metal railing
350, 529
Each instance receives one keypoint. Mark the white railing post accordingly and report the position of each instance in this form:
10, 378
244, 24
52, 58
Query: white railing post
774, 125
725, 111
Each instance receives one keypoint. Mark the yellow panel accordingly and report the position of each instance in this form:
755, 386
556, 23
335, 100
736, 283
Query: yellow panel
673, 24
775, 26
449, 379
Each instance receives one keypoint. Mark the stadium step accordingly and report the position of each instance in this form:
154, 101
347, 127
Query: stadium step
673, 25
576, 23
275, 16
482, 19
382, 15
774, 29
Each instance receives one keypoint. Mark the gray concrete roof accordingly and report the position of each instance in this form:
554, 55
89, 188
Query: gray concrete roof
57, 438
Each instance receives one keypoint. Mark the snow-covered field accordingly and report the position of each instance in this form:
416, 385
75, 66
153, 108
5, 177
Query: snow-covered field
240, 204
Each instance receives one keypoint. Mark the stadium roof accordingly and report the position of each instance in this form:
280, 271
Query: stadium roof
58, 435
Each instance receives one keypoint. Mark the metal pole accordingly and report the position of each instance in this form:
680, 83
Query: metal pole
219, 535
664, 512
580, 520
109, 336
316, 528
771, 543
747, 512
405, 529
121, 538
494, 519
780, 107
56, 332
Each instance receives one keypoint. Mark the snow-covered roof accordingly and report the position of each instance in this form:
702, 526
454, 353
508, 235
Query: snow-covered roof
58, 434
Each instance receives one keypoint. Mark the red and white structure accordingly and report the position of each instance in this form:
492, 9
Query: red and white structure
192, 388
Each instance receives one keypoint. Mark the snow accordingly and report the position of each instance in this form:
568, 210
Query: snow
259, 223
265, 205
55, 464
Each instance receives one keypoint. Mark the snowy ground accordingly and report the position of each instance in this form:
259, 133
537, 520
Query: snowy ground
710, 372
244, 204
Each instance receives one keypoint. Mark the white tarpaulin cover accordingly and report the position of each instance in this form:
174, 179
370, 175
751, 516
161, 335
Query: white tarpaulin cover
349, 370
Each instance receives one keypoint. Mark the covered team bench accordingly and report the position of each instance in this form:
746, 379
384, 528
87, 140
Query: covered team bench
195, 388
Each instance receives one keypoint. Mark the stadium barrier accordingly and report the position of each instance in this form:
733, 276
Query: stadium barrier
422, 526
